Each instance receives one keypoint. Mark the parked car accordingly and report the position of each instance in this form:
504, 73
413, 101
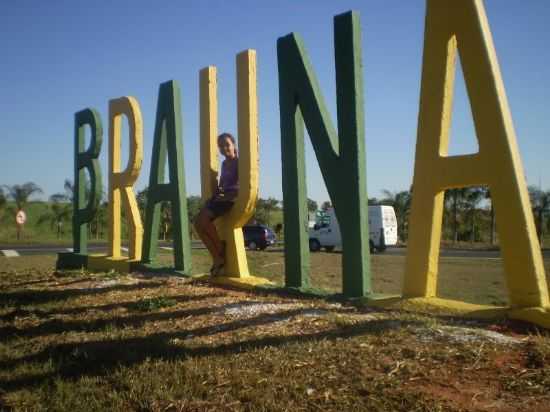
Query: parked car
258, 237
382, 230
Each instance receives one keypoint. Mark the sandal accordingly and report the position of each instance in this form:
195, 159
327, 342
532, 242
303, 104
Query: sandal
217, 268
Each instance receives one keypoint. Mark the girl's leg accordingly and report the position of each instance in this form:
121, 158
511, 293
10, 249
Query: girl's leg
209, 235
212, 233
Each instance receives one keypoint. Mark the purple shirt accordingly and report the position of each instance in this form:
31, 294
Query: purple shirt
229, 178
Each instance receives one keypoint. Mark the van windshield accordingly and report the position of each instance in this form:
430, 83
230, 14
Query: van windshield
322, 219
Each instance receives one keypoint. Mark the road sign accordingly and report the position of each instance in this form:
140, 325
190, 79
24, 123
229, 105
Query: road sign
20, 217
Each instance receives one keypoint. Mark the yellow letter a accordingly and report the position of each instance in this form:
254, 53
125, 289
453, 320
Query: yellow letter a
452, 24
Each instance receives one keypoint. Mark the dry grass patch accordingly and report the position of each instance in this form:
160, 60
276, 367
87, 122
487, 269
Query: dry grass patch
86, 341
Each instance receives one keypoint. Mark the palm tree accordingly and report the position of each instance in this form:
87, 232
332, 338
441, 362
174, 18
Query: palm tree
487, 196
100, 220
270, 205
326, 205
260, 213
454, 200
3, 200
20, 193
194, 204
540, 204
59, 211
401, 203
69, 189
166, 218
311, 205
278, 229
100, 217
141, 198
4, 209
165, 211
473, 196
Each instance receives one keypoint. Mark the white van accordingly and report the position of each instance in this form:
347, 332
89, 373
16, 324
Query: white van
382, 230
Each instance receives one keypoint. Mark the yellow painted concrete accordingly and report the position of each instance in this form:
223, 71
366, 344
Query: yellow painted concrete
446, 307
103, 262
440, 306
121, 182
462, 25
208, 131
247, 282
229, 226
538, 316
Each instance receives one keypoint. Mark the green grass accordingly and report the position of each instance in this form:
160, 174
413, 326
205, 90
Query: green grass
472, 280
152, 304
32, 232
84, 341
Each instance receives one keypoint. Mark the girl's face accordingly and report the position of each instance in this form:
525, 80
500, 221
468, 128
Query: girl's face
227, 148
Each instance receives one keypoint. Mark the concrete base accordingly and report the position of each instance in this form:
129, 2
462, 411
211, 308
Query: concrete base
159, 269
538, 316
106, 263
246, 282
438, 306
70, 260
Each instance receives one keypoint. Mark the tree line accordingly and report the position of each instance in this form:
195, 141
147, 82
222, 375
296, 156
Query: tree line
57, 216
468, 212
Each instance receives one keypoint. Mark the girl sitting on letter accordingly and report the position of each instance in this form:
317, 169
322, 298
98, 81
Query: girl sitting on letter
219, 204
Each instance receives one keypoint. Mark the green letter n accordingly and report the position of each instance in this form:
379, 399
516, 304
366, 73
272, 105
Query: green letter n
168, 144
341, 156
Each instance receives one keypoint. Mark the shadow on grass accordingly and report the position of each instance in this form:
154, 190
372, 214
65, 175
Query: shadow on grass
29, 297
130, 305
159, 271
282, 291
30, 282
57, 326
100, 358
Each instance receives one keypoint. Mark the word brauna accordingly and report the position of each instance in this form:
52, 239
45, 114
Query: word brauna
450, 26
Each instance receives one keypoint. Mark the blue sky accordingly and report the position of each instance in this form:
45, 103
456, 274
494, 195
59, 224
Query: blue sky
59, 57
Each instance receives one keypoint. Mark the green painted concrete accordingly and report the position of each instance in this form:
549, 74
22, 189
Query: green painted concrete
168, 146
86, 160
341, 156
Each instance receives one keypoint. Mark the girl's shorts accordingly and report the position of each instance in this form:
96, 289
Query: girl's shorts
219, 207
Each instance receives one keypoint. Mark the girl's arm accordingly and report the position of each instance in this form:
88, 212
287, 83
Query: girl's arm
219, 188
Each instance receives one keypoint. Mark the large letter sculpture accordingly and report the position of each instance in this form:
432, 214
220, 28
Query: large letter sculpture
463, 24
168, 144
83, 212
341, 159
229, 226
120, 186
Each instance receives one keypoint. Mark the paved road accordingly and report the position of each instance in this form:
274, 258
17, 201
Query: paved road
26, 250
461, 253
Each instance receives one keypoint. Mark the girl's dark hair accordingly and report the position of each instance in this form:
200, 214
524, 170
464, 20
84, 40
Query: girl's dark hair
226, 135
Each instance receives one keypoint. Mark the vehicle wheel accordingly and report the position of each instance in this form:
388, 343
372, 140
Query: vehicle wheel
314, 245
263, 247
252, 245
329, 248
371, 246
